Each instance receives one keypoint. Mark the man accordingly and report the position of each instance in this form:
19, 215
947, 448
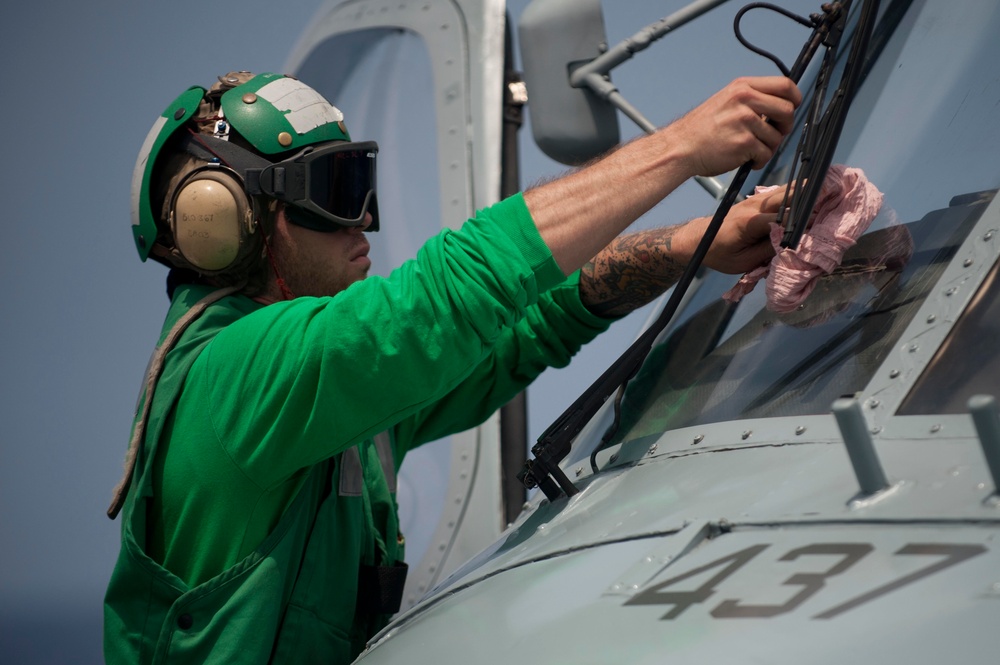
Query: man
259, 520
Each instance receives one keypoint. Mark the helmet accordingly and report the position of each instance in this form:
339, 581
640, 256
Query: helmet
217, 160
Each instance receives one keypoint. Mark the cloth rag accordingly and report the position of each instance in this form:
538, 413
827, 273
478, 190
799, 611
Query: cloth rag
846, 205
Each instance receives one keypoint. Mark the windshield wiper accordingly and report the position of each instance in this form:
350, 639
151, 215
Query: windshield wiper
554, 444
821, 131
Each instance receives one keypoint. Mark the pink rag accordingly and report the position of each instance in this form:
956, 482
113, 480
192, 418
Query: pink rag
845, 208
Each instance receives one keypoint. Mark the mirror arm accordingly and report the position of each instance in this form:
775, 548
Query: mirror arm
594, 74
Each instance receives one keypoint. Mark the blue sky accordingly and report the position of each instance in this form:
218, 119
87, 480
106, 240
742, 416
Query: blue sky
82, 83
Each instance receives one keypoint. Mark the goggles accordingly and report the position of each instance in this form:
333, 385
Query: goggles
326, 188
334, 184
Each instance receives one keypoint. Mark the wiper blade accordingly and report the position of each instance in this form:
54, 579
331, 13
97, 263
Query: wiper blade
821, 134
554, 444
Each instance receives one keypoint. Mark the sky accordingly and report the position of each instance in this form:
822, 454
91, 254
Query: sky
83, 83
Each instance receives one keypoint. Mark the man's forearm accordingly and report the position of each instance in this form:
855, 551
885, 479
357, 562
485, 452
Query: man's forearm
635, 269
630, 272
581, 213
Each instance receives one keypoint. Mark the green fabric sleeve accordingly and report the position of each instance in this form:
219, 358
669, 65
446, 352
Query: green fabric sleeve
322, 374
551, 332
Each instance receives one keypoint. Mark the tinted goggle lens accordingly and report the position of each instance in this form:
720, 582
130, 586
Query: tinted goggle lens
342, 182
335, 184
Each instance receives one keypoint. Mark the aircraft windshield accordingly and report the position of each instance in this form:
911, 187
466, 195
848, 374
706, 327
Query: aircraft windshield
923, 128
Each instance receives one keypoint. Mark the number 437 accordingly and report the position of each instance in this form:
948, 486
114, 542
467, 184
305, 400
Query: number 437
811, 583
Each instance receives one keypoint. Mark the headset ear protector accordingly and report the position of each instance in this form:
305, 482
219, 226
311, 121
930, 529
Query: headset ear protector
211, 211
328, 181
211, 219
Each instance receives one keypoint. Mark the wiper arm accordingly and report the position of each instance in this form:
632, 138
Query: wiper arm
554, 444
821, 134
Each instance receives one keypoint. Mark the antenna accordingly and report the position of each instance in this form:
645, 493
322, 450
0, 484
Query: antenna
986, 418
864, 459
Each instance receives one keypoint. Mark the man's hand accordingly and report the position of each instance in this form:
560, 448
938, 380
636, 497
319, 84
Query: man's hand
744, 240
743, 122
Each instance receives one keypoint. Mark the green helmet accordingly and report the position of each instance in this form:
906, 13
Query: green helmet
214, 157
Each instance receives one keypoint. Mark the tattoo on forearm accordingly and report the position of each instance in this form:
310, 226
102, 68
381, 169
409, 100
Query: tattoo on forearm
630, 272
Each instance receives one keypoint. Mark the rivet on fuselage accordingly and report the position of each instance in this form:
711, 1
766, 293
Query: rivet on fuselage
249, 98
285, 139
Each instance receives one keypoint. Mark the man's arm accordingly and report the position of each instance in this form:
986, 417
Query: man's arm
636, 268
580, 214
630, 272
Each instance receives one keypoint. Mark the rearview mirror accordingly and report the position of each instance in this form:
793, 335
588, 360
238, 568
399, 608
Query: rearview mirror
570, 125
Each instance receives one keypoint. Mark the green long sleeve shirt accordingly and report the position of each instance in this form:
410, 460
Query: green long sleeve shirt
259, 408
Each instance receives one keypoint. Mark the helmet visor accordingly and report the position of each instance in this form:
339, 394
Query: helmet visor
336, 183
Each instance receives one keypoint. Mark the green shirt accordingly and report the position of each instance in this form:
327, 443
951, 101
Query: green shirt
246, 451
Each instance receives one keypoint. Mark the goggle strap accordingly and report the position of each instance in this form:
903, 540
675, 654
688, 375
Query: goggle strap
284, 181
246, 164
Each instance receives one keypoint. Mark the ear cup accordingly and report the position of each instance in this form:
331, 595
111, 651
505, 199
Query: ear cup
210, 217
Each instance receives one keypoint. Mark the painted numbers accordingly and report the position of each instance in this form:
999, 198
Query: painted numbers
811, 583
953, 554
682, 600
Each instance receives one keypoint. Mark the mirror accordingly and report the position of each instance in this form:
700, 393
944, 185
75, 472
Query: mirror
570, 125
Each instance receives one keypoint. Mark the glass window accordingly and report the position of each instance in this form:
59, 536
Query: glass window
924, 129
967, 363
